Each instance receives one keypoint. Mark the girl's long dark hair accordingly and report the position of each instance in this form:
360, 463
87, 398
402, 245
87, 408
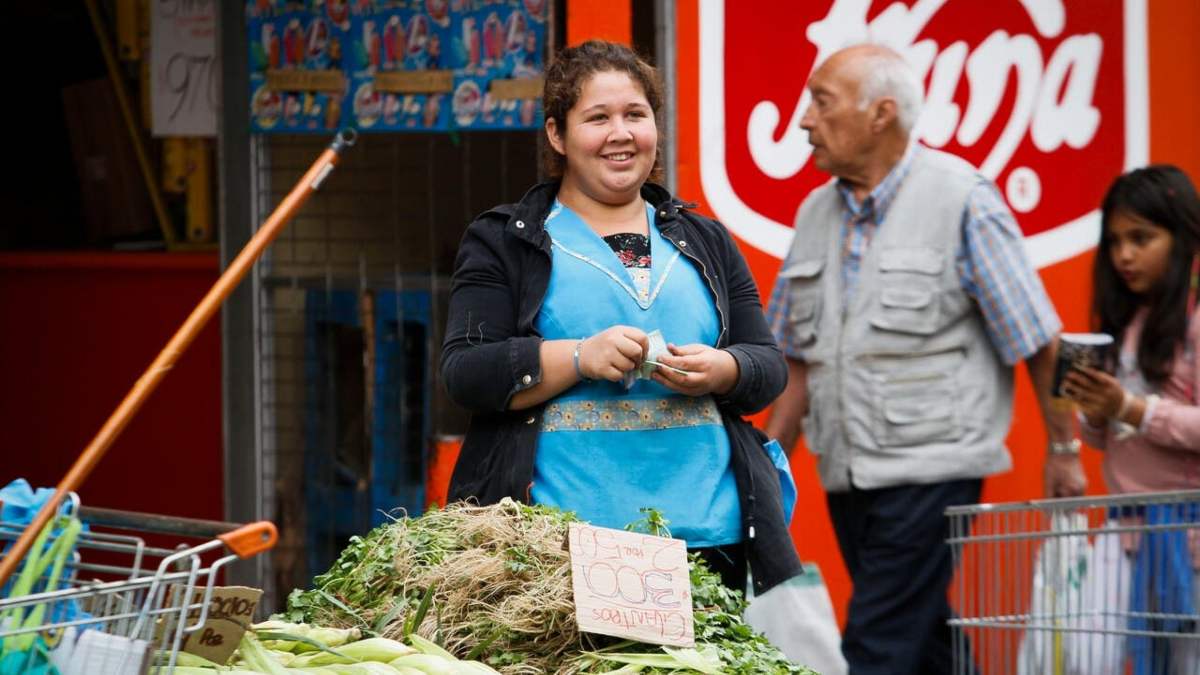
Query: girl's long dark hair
1160, 194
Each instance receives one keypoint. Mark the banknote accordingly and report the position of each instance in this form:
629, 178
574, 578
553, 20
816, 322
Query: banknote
657, 349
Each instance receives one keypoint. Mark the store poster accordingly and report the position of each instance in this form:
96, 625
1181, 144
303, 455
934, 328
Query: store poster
1028, 92
407, 65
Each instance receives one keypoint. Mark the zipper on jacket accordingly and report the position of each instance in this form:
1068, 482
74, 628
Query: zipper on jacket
840, 376
711, 287
703, 270
549, 262
751, 500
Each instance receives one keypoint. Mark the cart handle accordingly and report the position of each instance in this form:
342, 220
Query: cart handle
155, 522
250, 540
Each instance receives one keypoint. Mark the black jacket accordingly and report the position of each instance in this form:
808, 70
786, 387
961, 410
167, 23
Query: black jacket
492, 351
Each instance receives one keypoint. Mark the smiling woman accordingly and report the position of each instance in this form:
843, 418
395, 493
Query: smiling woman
566, 79
608, 341
609, 142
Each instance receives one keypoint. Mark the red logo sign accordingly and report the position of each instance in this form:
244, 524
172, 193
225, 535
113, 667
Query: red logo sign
1047, 97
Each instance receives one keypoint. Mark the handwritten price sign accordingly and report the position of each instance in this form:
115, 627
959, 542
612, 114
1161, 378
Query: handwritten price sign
184, 67
230, 612
631, 585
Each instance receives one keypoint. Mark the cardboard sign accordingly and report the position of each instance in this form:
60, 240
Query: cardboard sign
306, 80
631, 585
416, 82
230, 613
507, 90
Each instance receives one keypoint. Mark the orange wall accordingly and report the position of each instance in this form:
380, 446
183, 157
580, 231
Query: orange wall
1175, 137
610, 20
1175, 84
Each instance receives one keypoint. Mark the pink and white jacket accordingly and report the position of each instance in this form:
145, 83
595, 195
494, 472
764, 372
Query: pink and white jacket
1164, 452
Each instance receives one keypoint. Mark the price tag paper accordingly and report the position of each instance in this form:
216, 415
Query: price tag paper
631, 585
184, 67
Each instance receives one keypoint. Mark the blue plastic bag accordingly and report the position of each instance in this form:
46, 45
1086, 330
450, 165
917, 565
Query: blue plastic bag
19, 505
787, 485
19, 502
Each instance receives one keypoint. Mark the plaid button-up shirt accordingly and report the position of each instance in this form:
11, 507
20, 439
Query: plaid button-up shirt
991, 261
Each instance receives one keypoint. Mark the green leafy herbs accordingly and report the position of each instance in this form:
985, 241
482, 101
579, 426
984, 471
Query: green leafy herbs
493, 584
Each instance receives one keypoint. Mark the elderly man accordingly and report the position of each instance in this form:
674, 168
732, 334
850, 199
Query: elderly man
903, 305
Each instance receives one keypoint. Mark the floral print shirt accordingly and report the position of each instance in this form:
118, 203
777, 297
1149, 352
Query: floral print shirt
633, 250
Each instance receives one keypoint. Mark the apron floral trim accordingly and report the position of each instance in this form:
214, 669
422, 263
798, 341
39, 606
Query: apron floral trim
630, 414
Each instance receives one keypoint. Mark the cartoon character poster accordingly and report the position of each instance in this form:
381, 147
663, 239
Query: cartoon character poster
296, 37
479, 40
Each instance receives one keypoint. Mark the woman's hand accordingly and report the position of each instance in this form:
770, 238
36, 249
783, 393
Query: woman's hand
709, 370
1098, 394
610, 354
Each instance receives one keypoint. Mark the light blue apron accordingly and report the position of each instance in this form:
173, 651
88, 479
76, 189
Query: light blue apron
604, 451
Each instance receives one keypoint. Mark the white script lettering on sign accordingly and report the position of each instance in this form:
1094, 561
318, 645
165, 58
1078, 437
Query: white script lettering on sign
631, 585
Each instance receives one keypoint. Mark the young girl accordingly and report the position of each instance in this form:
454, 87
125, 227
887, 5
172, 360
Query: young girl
1146, 417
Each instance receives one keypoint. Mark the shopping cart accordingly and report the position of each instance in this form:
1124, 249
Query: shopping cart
1083, 585
114, 603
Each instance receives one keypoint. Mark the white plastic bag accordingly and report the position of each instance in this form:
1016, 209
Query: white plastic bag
797, 617
1060, 570
1098, 646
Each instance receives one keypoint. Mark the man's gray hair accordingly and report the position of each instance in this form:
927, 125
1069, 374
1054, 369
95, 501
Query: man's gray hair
887, 75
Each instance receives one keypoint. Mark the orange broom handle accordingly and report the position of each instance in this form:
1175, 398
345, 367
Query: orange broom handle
183, 337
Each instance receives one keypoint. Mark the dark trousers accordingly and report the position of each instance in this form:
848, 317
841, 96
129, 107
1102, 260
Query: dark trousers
894, 543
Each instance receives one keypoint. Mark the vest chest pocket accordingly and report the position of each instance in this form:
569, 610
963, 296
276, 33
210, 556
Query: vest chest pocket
909, 299
804, 299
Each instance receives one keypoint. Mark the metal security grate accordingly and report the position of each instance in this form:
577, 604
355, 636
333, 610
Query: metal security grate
385, 229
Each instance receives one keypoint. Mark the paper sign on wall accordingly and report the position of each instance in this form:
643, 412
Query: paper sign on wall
631, 585
184, 67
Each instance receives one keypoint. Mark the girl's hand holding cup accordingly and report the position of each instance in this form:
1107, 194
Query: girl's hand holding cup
1077, 374
1098, 394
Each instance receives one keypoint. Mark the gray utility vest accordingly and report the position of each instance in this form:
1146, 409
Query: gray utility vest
904, 386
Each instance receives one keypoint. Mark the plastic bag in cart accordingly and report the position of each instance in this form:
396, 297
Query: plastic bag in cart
1060, 571
27, 652
94, 651
19, 504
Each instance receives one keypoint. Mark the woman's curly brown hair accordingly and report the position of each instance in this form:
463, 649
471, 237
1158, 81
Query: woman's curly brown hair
566, 76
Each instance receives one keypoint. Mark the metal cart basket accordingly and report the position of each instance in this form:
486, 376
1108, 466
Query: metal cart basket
112, 603
1083, 585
